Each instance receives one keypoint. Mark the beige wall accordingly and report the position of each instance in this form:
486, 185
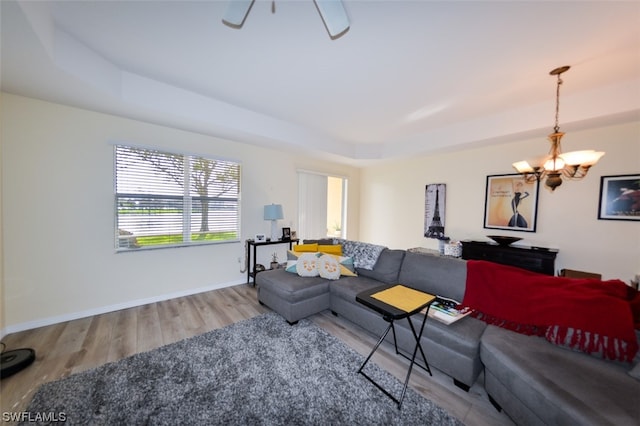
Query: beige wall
392, 201
334, 206
57, 210
58, 225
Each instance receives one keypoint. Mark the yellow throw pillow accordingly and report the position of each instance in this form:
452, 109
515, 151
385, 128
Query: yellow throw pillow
306, 247
330, 249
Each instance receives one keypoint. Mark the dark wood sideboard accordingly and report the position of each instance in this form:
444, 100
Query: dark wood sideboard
536, 259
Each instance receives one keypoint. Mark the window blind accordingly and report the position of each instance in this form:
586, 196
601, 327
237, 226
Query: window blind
169, 199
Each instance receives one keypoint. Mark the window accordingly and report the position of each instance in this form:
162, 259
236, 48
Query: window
165, 199
322, 205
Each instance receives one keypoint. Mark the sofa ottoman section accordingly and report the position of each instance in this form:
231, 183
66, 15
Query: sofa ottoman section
538, 383
292, 296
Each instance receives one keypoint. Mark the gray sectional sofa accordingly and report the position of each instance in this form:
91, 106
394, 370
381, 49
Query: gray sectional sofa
534, 381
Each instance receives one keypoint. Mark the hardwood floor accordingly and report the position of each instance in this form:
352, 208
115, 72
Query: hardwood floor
74, 346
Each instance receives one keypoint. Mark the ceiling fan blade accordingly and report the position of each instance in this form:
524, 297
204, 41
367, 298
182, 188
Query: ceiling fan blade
334, 17
237, 12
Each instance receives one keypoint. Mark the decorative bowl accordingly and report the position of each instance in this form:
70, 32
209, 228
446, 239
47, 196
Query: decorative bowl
504, 240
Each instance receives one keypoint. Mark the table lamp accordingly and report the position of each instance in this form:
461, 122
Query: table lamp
273, 212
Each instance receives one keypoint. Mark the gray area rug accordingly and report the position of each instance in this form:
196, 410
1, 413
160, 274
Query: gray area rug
260, 371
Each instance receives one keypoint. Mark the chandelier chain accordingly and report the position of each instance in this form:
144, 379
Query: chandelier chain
557, 126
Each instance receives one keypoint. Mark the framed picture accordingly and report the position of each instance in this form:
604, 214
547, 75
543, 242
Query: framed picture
261, 238
619, 197
511, 203
434, 205
286, 234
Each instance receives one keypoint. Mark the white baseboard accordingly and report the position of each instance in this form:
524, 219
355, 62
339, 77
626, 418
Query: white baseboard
15, 328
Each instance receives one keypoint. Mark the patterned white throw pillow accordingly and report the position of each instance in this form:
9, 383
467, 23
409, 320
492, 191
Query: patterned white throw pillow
307, 265
328, 267
365, 255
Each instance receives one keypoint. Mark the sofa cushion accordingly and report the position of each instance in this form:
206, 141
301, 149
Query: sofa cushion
291, 287
435, 274
348, 287
323, 241
386, 268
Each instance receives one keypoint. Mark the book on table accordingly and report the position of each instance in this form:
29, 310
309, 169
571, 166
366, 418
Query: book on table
447, 310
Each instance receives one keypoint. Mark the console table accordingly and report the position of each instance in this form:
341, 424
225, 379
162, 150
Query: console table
252, 247
536, 259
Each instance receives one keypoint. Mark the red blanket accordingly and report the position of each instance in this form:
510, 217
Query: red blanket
588, 315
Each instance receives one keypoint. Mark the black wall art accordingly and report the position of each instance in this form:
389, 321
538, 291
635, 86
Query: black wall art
434, 208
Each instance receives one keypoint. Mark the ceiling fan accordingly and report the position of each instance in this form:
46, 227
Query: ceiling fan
331, 11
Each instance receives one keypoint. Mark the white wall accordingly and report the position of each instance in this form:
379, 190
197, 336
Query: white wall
58, 220
392, 201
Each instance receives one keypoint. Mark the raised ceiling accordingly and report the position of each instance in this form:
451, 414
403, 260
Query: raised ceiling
408, 78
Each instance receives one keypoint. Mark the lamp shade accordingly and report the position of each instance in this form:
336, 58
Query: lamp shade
273, 212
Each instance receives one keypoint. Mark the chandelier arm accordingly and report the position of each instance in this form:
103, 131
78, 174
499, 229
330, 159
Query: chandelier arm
570, 171
575, 172
535, 176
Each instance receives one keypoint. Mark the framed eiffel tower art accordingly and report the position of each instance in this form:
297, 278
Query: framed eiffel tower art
434, 207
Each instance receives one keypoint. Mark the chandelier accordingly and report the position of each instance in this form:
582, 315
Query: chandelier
556, 165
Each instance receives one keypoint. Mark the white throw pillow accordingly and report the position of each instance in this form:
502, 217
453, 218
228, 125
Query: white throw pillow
307, 265
328, 267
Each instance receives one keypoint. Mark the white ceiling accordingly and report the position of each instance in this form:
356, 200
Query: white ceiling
408, 78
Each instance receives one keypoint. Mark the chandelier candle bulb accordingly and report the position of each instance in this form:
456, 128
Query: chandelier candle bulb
523, 167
